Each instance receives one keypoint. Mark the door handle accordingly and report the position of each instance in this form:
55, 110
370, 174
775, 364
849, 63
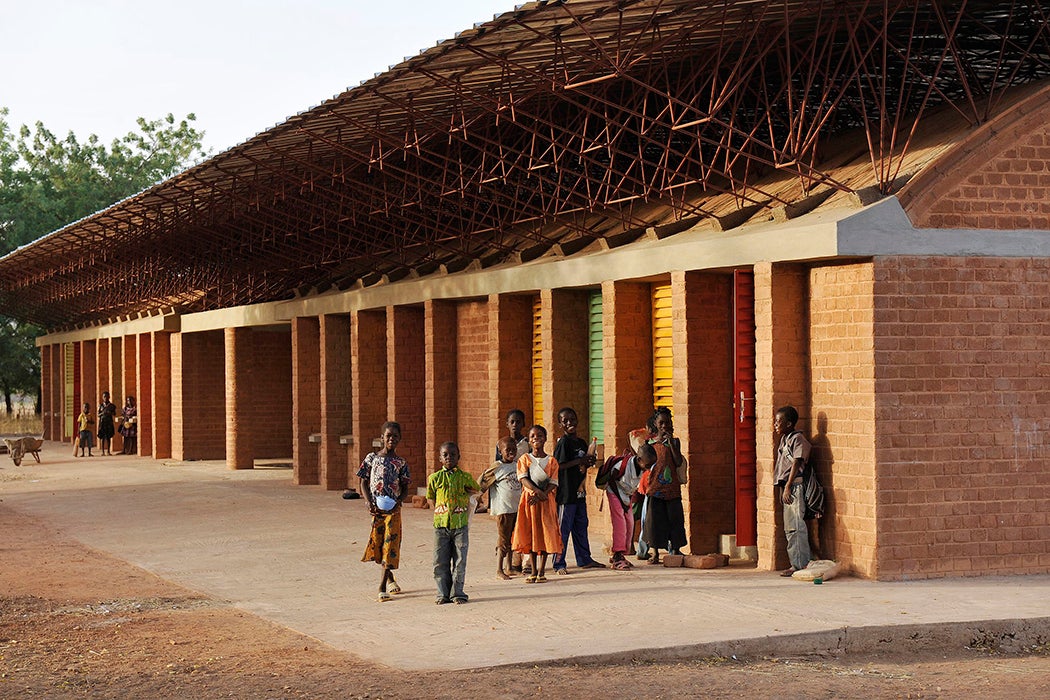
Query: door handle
742, 400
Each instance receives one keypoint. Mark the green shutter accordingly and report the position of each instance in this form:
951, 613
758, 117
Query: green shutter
595, 372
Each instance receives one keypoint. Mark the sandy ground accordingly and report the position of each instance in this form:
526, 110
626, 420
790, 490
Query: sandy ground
75, 622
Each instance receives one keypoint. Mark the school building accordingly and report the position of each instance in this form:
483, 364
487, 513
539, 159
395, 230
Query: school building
721, 207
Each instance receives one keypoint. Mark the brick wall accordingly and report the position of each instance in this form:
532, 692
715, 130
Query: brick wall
161, 387
509, 371
47, 378
701, 305
89, 388
406, 386
441, 344
781, 377
306, 398
144, 382
961, 354
240, 399
841, 419
368, 383
198, 401
472, 386
271, 351
336, 406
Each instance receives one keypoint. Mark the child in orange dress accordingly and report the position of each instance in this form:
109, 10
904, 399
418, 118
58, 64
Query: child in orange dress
537, 530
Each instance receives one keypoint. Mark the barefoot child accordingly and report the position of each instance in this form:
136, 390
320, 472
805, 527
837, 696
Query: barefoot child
537, 531
515, 426
384, 482
449, 490
792, 455
504, 489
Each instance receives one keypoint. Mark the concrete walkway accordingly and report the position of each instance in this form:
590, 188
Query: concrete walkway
291, 554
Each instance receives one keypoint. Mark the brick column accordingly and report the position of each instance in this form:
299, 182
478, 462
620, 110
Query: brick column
160, 393
46, 378
116, 386
88, 385
58, 374
102, 369
336, 411
368, 381
239, 399
440, 344
510, 367
565, 335
143, 384
405, 349
129, 373
627, 362
701, 309
781, 377
306, 398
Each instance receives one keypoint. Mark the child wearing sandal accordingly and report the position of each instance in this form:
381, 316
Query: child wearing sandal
623, 483
664, 524
449, 491
384, 482
504, 490
537, 531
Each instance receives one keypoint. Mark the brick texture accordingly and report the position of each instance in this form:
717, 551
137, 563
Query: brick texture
701, 306
336, 404
271, 392
161, 388
627, 360
47, 378
144, 381
500, 368
961, 351
306, 398
198, 406
88, 385
369, 384
781, 377
406, 385
842, 411
239, 375
441, 345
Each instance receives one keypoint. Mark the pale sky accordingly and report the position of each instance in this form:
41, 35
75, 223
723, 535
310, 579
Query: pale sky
93, 66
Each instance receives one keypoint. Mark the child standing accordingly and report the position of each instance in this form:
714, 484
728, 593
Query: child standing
623, 483
83, 421
515, 426
665, 523
504, 491
792, 458
449, 490
384, 481
573, 461
536, 530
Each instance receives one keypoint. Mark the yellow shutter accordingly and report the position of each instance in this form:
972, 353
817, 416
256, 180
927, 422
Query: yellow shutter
663, 360
537, 365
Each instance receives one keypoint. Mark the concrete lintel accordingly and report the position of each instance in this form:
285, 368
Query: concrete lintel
885, 229
233, 317
148, 324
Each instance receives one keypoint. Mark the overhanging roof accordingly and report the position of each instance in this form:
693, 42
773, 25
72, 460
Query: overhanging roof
555, 124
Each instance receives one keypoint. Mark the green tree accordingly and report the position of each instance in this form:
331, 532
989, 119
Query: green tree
47, 182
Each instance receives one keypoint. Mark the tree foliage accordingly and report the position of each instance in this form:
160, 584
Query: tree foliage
47, 182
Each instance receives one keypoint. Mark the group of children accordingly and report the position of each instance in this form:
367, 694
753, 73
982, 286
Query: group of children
538, 501
107, 427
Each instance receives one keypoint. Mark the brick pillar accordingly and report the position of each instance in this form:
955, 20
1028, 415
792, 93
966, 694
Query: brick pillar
510, 366
701, 309
116, 386
88, 385
129, 372
102, 369
405, 349
368, 382
440, 341
336, 412
160, 393
58, 374
306, 398
627, 362
46, 378
239, 405
781, 377
143, 384
565, 335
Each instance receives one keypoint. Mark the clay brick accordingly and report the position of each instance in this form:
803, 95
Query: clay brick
673, 561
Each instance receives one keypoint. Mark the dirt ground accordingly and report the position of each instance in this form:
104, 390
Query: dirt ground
75, 622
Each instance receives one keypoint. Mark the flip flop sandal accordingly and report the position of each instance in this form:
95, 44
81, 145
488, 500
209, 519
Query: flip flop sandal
622, 566
395, 589
384, 597
541, 579
530, 579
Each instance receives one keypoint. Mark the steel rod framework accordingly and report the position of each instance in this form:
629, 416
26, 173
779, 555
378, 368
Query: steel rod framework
557, 124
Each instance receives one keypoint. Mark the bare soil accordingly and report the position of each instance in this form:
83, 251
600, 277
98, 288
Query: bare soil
75, 622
